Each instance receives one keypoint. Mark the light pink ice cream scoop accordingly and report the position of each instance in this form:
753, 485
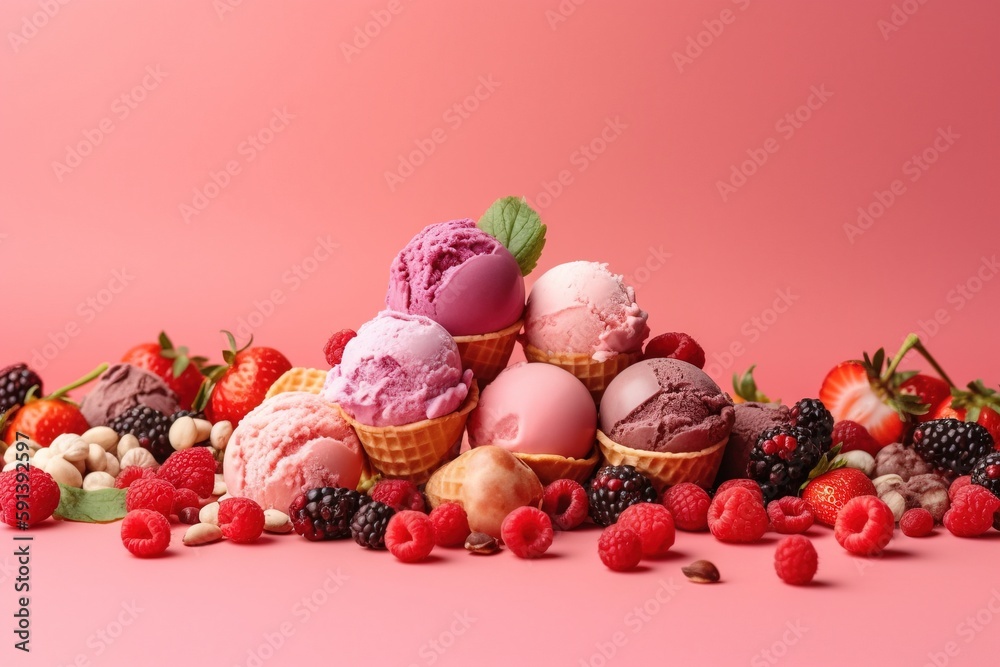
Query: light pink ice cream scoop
460, 277
535, 409
399, 369
290, 443
583, 307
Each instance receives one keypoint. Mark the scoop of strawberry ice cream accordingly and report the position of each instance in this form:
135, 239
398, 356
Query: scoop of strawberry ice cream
583, 307
288, 444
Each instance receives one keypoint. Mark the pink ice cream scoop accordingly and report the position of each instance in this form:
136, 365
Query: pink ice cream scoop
399, 369
460, 277
535, 409
582, 307
666, 405
290, 443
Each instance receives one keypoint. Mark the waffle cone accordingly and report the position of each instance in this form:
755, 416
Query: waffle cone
488, 354
414, 451
666, 468
549, 467
298, 379
595, 375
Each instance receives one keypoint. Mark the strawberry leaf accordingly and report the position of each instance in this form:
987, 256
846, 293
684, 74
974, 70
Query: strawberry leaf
165, 344
746, 387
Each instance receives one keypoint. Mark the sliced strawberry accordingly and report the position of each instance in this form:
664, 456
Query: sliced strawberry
180, 371
848, 394
238, 386
930, 390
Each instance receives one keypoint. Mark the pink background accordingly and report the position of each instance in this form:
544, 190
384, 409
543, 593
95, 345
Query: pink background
645, 199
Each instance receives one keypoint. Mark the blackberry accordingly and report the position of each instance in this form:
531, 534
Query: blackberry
186, 413
615, 488
781, 460
986, 473
951, 444
810, 413
15, 381
149, 426
325, 513
369, 524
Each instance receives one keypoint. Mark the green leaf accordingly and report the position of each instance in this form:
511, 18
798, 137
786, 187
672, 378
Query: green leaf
746, 387
100, 506
517, 226
165, 343
180, 365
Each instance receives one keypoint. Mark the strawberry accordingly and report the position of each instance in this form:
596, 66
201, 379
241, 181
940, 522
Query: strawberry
234, 389
864, 392
979, 404
44, 419
745, 388
180, 371
830, 491
929, 390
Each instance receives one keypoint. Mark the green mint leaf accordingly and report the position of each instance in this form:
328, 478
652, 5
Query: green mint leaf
517, 226
100, 506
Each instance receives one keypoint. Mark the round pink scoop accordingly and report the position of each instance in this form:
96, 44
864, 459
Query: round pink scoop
535, 409
288, 444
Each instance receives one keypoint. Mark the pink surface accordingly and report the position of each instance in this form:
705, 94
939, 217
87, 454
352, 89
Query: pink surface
399, 369
583, 307
290, 443
460, 277
790, 183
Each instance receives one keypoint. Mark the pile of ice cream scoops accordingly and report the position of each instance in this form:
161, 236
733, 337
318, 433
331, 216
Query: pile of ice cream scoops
432, 367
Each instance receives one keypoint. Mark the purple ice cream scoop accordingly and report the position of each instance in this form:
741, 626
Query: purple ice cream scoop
752, 419
460, 277
125, 386
665, 405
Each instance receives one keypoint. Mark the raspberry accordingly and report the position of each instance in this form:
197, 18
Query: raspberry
619, 548
736, 515
190, 469
566, 503
746, 483
959, 483
398, 494
795, 560
129, 474
410, 536
527, 532
150, 494
145, 533
854, 437
790, 515
183, 499
688, 504
675, 346
241, 520
864, 526
451, 525
916, 522
971, 512
334, 348
653, 524
42, 501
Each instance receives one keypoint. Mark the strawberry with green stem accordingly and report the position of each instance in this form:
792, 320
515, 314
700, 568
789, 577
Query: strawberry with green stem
174, 366
978, 404
44, 419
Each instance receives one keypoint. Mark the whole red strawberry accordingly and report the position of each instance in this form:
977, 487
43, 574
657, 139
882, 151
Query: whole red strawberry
43, 419
979, 404
173, 365
236, 388
829, 492
930, 390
